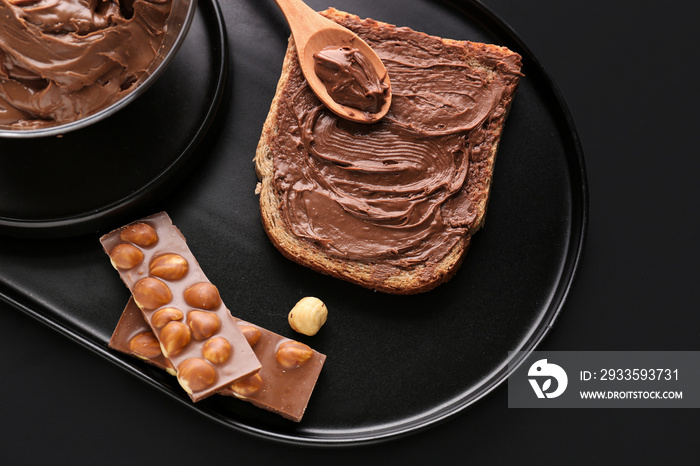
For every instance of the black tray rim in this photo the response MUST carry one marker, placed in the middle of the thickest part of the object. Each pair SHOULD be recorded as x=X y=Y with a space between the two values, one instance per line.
x=578 y=233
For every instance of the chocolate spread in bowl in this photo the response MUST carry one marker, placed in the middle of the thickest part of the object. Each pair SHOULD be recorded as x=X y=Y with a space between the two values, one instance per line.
x=395 y=192
x=61 y=60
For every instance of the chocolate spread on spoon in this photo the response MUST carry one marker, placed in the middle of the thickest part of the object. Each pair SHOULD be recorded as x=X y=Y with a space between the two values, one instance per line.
x=350 y=78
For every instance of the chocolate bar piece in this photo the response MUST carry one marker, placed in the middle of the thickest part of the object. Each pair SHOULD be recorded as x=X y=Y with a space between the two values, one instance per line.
x=134 y=336
x=184 y=310
x=283 y=385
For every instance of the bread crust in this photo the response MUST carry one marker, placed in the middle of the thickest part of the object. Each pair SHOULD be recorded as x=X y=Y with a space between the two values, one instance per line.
x=406 y=280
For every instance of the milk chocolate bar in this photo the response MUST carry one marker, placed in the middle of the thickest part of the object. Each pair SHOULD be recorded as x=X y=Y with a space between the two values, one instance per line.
x=184 y=310
x=283 y=385
x=134 y=336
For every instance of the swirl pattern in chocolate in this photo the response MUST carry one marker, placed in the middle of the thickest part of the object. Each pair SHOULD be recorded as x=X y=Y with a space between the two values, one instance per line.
x=61 y=60
x=396 y=192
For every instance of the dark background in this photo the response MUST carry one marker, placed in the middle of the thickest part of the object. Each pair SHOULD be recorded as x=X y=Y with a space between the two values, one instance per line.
x=628 y=71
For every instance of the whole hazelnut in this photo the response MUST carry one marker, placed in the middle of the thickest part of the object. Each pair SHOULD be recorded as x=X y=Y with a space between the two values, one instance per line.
x=145 y=345
x=308 y=316
x=125 y=256
x=195 y=374
x=217 y=350
x=141 y=234
x=165 y=315
x=246 y=386
x=169 y=266
x=174 y=337
x=291 y=354
x=203 y=295
x=252 y=334
x=203 y=324
x=151 y=293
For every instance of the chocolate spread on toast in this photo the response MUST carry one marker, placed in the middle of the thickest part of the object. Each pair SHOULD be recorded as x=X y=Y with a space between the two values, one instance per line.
x=394 y=192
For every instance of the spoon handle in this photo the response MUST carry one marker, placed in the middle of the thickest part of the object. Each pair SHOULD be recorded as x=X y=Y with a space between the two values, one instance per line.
x=303 y=20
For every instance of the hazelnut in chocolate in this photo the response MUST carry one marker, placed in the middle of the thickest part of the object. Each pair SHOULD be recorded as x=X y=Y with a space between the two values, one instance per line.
x=288 y=375
x=283 y=385
x=194 y=329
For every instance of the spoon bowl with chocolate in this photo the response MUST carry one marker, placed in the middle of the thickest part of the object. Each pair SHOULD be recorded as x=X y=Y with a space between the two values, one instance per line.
x=346 y=75
x=72 y=63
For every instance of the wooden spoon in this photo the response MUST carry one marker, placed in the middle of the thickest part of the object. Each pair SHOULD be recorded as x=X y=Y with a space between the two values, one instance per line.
x=312 y=33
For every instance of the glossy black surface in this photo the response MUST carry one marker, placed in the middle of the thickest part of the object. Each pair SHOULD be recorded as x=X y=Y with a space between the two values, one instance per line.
x=635 y=288
x=450 y=345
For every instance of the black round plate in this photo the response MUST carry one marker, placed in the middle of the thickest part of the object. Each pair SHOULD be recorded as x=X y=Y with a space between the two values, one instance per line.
x=72 y=184
x=397 y=365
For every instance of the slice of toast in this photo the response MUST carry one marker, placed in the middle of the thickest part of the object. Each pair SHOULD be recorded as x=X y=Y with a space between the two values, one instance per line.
x=350 y=216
